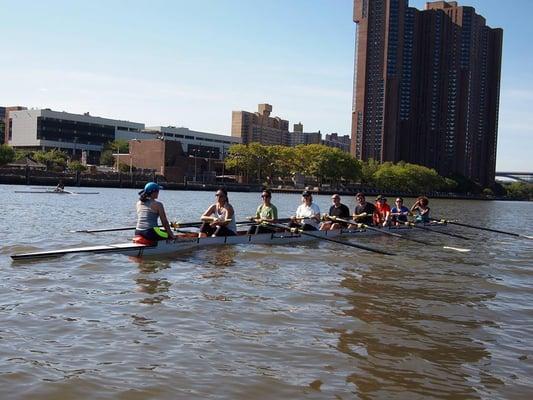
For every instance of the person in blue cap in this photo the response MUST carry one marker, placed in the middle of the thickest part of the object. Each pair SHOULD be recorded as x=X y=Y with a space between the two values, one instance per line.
x=148 y=212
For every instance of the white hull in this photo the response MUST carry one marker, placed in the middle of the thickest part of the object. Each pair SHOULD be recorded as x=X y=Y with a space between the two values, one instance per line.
x=181 y=244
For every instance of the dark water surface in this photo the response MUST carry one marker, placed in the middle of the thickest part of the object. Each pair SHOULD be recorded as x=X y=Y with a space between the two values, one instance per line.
x=313 y=321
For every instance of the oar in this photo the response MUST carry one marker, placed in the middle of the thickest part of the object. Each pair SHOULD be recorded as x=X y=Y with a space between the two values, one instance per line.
x=174 y=225
x=308 y=233
x=130 y=228
x=484 y=229
x=413 y=225
x=387 y=232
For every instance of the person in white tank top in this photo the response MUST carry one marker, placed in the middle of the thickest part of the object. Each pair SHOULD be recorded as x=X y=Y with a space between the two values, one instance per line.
x=219 y=218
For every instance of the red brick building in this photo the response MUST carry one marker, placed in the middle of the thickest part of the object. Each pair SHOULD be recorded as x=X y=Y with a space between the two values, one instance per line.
x=166 y=158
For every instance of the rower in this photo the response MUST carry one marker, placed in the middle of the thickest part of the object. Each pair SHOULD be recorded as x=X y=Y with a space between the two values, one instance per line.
x=382 y=214
x=149 y=209
x=399 y=212
x=422 y=210
x=266 y=213
x=307 y=215
x=364 y=211
x=219 y=218
x=337 y=210
x=60 y=186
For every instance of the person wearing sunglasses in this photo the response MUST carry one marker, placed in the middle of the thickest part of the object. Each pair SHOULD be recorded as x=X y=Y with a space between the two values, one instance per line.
x=219 y=218
x=266 y=212
x=307 y=214
x=399 y=212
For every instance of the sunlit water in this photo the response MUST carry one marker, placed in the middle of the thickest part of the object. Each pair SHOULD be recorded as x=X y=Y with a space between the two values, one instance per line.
x=317 y=320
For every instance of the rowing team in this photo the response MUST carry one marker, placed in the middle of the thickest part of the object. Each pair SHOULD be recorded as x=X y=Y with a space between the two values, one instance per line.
x=219 y=218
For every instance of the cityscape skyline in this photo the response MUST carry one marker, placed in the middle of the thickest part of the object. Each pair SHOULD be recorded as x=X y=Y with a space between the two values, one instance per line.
x=173 y=64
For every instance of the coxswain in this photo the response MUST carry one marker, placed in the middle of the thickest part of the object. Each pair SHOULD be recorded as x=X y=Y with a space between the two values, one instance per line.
x=421 y=209
x=149 y=209
x=266 y=213
x=307 y=215
x=219 y=218
x=337 y=210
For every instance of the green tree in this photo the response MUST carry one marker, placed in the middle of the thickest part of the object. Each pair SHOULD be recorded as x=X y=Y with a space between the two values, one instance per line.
x=7 y=154
x=118 y=146
x=239 y=159
x=368 y=169
x=106 y=158
x=53 y=159
x=76 y=166
x=520 y=191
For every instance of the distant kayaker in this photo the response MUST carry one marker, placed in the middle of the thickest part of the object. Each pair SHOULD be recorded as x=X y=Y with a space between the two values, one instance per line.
x=60 y=186
x=149 y=209
x=219 y=218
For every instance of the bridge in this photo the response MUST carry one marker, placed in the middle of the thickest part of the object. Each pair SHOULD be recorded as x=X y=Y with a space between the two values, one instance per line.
x=516 y=176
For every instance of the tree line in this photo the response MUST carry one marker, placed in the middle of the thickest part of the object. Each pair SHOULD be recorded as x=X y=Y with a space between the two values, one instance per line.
x=318 y=164
x=327 y=165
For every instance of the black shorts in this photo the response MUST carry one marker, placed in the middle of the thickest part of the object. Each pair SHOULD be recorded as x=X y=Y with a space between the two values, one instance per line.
x=217 y=231
x=152 y=234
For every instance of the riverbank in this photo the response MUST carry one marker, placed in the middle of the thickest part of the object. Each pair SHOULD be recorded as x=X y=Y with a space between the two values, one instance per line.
x=137 y=181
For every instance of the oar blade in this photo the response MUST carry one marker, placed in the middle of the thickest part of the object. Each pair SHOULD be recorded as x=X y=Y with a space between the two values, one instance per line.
x=459 y=249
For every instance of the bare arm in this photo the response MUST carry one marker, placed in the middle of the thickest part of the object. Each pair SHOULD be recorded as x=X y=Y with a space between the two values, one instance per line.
x=164 y=220
x=206 y=216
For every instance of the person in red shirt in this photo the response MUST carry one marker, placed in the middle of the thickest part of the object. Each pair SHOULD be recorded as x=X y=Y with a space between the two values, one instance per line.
x=382 y=214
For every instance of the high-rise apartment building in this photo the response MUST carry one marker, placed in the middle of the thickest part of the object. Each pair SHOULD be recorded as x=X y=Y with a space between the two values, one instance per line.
x=2 y=124
x=426 y=87
x=259 y=126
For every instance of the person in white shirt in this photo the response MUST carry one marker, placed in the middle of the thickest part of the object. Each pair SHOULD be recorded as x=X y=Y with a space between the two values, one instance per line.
x=307 y=215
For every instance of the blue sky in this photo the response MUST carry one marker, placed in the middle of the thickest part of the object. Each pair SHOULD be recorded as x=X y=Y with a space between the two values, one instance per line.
x=190 y=63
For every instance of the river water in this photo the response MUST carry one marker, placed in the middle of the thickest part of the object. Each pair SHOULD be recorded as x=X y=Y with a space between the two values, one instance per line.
x=310 y=321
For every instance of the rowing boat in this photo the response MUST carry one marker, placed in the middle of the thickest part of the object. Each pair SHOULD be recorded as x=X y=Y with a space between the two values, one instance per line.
x=54 y=192
x=183 y=243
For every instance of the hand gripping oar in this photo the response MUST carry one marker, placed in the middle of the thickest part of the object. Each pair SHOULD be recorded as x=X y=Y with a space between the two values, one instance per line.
x=413 y=225
x=308 y=233
x=483 y=229
x=387 y=232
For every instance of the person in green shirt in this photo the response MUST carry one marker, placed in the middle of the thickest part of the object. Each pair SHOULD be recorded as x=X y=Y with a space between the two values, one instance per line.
x=266 y=212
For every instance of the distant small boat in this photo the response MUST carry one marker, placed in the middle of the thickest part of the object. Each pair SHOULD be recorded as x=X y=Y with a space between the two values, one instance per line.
x=54 y=192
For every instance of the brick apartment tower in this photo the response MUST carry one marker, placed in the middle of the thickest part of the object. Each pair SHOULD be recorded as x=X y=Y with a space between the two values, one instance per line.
x=259 y=127
x=426 y=87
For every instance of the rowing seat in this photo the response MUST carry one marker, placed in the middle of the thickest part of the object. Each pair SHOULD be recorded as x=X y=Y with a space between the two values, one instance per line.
x=142 y=240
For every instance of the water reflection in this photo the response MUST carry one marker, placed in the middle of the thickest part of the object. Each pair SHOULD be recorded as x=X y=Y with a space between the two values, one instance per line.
x=217 y=261
x=414 y=335
x=155 y=286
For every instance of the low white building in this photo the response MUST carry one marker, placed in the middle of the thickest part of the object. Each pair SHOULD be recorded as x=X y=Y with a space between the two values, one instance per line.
x=77 y=134
x=44 y=129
